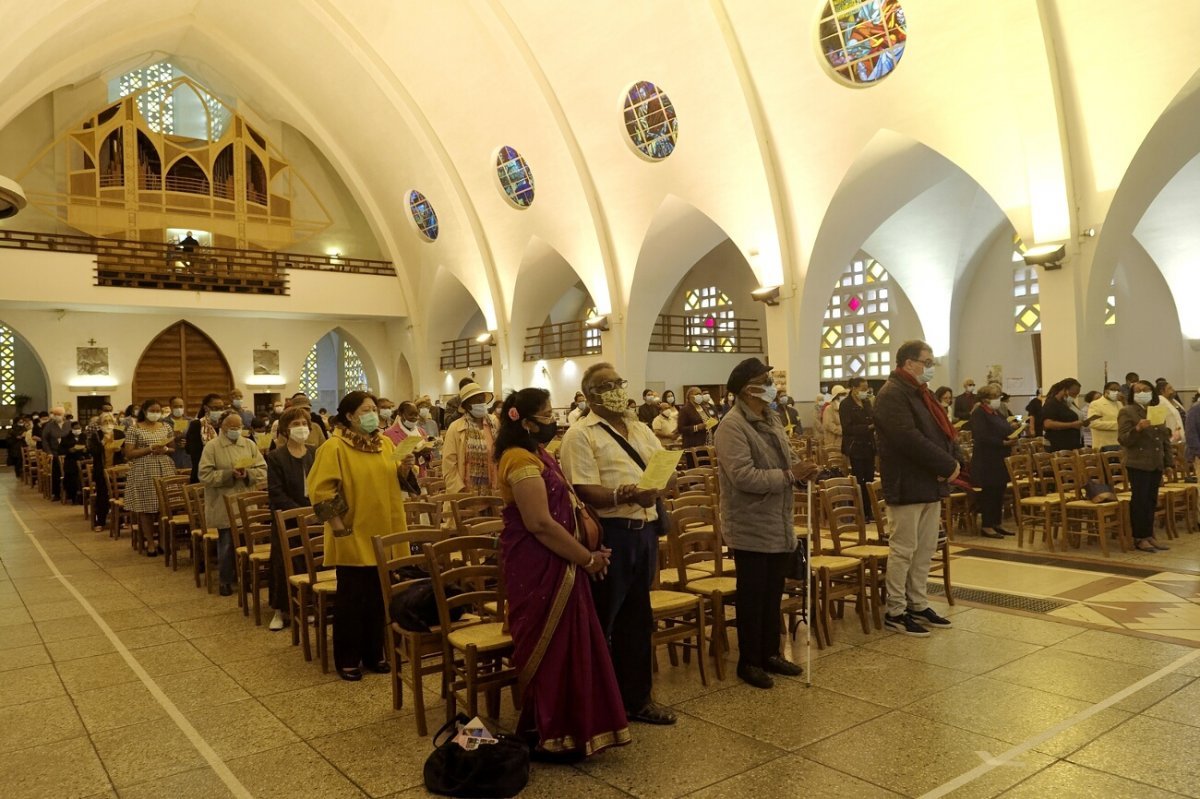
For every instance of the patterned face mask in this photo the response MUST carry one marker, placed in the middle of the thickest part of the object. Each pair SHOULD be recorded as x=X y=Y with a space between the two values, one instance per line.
x=615 y=400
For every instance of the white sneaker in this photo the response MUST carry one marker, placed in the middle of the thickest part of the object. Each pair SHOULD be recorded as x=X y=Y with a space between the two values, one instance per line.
x=276 y=623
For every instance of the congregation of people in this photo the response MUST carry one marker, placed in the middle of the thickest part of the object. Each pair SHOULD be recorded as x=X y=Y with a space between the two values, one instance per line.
x=578 y=591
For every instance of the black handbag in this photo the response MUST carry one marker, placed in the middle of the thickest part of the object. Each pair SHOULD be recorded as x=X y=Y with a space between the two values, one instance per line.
x=490 y=770
x=797 y=567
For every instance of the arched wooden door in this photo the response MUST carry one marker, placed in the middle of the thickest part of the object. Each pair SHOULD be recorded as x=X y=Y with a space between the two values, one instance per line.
x=181 y=361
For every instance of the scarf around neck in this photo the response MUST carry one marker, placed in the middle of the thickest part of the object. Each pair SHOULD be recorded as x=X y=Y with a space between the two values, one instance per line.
x=931 y=404
x=359 y=441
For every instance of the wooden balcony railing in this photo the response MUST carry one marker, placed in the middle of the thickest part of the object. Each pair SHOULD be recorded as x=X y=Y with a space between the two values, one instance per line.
x=701 y=334
x=463 y=353
x=562 y=340
x=153 y=258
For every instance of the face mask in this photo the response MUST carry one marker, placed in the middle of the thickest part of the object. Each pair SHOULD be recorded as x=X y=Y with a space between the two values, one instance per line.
x=927 y=375
x=408 y=425
x=298 y=433
x=651 y=400
x=278 y=409
x=233 y=435
x=615 y=401
x=768 y=393
x=177 y=412
x=106 y=429
x=994 y=404
x=970 y=389
x=704 y=398
x=153 y=416
x=670 y=398
x=385 y=413
x=1113 y=395
x=76 y=431
x=1143 y=397
x=237 y=403
x=478 y=411
x=545 y=432
x=58 y=418
x=782 y=399
x=215 y=416
x=425 y=414
x=862 y=395
x=369 y=422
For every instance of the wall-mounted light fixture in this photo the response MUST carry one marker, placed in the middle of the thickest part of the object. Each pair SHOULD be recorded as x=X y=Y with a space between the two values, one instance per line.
x=12 y=197
x=266 y=380
x=597 y=322
x=487 y=339
x=768 y=295
x=1047 y=256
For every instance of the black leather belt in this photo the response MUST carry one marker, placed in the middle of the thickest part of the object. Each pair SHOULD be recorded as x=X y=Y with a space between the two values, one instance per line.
x=626 y=524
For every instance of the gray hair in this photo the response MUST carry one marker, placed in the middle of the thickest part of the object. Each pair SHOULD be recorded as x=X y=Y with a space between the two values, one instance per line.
x=590 y=372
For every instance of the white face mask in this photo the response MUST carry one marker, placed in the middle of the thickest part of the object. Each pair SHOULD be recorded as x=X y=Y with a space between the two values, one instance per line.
x=768 y=392
x=581 y=405
x=1143 y=397
x=108 y=428
x=862 y=395
x=298 y=433
x=237 y=403
x=385 y=413
x=1113 y=396
x=994 y=404
x=408 y=425
x=153 y=416
x=177 y=412
x=278 y=409
x=479 y=411
x=927 y=375
x=425 y=414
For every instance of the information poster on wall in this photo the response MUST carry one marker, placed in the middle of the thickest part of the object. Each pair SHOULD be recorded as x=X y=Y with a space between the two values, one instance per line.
x=1016 y=387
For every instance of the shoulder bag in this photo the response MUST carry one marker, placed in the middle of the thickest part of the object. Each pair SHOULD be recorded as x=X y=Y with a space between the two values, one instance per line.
x=499 y=769
x=633 y=453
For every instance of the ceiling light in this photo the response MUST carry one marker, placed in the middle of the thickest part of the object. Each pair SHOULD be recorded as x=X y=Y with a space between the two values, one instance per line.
x=597 y=322
x=766 y=294
x=1047 y=256
x=487 y=339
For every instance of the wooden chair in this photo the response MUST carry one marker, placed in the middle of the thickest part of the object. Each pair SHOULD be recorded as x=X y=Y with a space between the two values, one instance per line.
x=835 y=579
x=322 y=585
x=691 y=499
x=299 y=587
x=1082 y=518
x=432 y=485
x=87 y=488
x=470 y=509
x=941 y=560
x=45 y=473
x=117 y=515
x=1117 y=476
x=422 y=651
x=174 y=524
x=842 y=505
x=421 y=513
x=679 y=619
x=475 y=657
x=700 y=457
x=204 y=538
x=1033 y=511
x=693 y=483
x=695 y=540
x=252 y=542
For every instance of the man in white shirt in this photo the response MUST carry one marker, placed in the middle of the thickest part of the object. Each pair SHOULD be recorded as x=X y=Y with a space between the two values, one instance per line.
x=666 y=425
x=579 y=410
x=604 y=455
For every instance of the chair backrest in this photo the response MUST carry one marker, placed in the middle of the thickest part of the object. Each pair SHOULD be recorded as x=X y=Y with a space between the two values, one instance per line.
x=1020 y=474
x=1067 y=479
x=473 y=507
x=702 y=456
x=842 y=506
x=879 y=509
x=1043 y=471
x=481 y=525
x=85 y=473
x=254 y=510
x=116 y=477
x=419 y=513
x=312 y=539
x=1091 y=467
x=194 y=494
x=692 y=484
x=432 y=485
x=398 y=550
x=236 y=506
x=1114 y=469
x=470 y=563
x=834 y=459
x=690 y=500
x=695 y=535
x=288 y=524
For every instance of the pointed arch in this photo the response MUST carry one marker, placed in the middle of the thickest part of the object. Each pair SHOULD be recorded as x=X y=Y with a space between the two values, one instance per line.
x=187 y=176
x=21 y=371
x=181 y=361
x=336 y=364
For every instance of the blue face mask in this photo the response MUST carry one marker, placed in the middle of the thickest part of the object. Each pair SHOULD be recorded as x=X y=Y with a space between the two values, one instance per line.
x=369 y=422
x=233 y=435
x=927 y=375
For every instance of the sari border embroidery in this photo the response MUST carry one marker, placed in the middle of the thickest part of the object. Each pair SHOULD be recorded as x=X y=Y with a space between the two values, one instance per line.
x=552 y=619
x=591 y=746
x=524 y=473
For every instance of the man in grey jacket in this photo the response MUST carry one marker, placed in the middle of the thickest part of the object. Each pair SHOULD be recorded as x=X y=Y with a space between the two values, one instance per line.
x=758 y=474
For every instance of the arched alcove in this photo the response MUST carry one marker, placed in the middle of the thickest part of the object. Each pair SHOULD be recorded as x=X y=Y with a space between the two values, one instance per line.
x=457 y=316
x=21 y=374
x=181 y=361
x=336 y=364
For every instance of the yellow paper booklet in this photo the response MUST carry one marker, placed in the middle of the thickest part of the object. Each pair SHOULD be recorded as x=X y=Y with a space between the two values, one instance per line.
x=1157 y=414
x=710 y=423
x=244 y=463
x=660 y=468
x=406 y=447
x=1020 y=429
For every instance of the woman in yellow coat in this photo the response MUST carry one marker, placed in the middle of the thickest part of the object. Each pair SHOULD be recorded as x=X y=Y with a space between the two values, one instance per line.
x=354 y=486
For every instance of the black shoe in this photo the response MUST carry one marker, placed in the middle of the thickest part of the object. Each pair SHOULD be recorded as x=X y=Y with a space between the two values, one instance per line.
x=991 y=534
x=225 y=590
x=929 y=618
x=905 y=625
x=756 y=677
x=382 y=667
x=350 y=675
x=653 y=714
x=777 y=665
x=1002 y=531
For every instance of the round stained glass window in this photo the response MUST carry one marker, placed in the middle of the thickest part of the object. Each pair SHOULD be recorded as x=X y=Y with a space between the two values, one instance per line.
x=423 y=214
x=863 y=40
x=516 y=178
x=650 y=120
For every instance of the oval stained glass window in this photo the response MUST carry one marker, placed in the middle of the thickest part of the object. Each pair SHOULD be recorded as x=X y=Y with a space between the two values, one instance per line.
x=650 y=120
x=863 y=40
x=423 y=214
x=515 y=177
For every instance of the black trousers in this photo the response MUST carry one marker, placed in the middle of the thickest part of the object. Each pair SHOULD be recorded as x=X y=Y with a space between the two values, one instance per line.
x=991 y=505
x=863 y=470
x=100 y=501
x=277 y=589
x=1143 y=487
x=358 y=619
x=623 y=606
x=55 y=479
x=760 y=577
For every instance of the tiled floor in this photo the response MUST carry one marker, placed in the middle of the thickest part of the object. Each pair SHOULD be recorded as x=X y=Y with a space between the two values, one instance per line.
x=886 y=715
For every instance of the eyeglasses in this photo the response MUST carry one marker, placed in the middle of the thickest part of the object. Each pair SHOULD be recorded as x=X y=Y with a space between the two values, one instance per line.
x=611 y=385
x=928 y=364
x=544 y=419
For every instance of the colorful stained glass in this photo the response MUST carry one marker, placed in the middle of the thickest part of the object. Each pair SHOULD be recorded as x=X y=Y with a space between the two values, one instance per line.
x=423 y=214
x=310 y=383
x=8 y=366
x=1027 y=311
x=855 y=303
x=516 y=178
x=354 y=376
x=702 y=328
x=858 y=323
x=863 y=40
x=650 y=120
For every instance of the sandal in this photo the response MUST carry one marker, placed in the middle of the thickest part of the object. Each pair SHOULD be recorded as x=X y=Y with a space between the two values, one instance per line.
x=1148 y=547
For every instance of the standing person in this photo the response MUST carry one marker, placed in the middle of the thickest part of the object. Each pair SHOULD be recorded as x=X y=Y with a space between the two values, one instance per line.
x=237 y=402
x=1106 y=408
x=604 y=456
x=105 y=445
x=648 y=411
x=758 y=476
x=965 y=402
x=695 y=423
x=570 y=699
x=355 y=491
x=727 y=405
x=408 y=423
x=387 y=412
x=786 y=406
x=230 y=464
x=1191 y=435
x=1167 y=398
x=666 y=426
x=1060 y=422
x=858 y=438
x=467 y=462
x=669 y=398
x=179 y=426
x=579 y=409
x=1034 y=410
x=990 y=432
x=73 y=449
x=203 y=429
x=831 y=420
x=1085 y=412
x=427 y=423
x=1148 y=453
x=918 y=458
x=148 y=446
x=1127 y=386
x=52 y=436
x=287 y=489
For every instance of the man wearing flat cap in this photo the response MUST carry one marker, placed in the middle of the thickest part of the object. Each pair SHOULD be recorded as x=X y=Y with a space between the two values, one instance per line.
x=758 y=475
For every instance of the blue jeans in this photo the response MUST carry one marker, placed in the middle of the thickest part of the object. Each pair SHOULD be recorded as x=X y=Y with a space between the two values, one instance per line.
x=623 y=606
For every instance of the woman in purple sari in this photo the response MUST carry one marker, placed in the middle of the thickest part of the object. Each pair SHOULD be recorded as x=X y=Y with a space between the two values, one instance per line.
x=571 y=701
